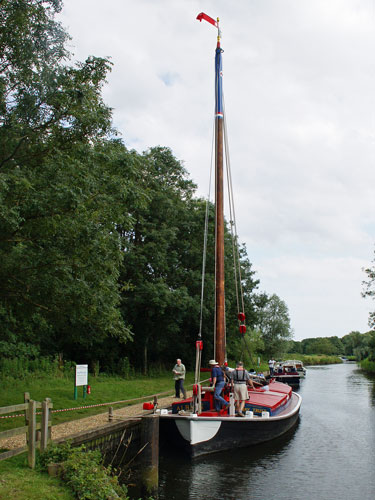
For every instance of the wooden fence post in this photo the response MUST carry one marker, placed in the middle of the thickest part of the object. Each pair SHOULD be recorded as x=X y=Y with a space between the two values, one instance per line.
x=26 y=399
x=45 y=420
x=32 y=428
x=150 y=455
x=110 y=414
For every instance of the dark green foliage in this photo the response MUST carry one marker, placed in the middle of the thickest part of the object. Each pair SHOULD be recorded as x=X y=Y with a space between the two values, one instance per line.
x=26 y=367
x=84 y=472
x=62 y=190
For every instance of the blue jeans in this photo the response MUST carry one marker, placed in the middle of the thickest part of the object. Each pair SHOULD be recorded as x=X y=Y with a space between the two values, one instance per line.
x=218 y=399
x=179 y=387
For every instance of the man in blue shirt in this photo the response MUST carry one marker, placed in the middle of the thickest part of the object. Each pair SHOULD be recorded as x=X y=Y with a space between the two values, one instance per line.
x=218 y=382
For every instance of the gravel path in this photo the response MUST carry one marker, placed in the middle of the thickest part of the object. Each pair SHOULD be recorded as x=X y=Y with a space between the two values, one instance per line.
x=70 y=428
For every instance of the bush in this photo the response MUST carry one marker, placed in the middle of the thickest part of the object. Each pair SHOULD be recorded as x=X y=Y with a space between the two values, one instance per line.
x=23 y=367
x=84 y=472
x=367 y=365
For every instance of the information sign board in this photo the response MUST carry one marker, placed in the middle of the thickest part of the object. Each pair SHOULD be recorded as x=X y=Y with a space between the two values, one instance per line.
x=81 y=375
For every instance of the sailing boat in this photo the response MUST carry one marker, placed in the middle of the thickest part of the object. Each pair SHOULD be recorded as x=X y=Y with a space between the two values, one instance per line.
x=194 y=424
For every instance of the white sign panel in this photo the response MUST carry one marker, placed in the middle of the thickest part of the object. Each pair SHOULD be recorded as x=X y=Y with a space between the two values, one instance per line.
x=81 y=374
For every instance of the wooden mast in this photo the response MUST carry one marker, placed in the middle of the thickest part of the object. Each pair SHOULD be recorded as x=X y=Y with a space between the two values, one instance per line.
x=219 y=203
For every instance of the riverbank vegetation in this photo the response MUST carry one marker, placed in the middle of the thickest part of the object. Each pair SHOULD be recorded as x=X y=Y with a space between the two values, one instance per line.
x=104 y=389
x=367 y=365
x=315 y=359
x=355 y=346
x=19 y=482
x=81 y=475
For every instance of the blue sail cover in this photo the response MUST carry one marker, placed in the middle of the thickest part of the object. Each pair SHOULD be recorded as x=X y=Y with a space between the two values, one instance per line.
x=219 y=110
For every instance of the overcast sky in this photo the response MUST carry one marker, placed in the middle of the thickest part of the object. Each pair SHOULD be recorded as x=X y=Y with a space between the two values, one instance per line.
x=299 y=86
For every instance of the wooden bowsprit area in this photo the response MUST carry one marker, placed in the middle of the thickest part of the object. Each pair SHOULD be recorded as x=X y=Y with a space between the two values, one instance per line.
x=36 y=432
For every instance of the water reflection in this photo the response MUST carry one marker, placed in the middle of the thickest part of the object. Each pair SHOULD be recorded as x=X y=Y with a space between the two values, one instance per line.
x=371 y=385
x=327 y=454
x=229 y=471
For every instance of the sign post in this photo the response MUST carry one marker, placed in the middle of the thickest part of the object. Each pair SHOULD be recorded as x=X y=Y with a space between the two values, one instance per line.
x=81 y=379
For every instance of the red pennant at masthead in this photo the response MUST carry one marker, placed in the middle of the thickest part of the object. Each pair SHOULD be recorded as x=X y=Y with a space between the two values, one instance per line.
x=207 y=18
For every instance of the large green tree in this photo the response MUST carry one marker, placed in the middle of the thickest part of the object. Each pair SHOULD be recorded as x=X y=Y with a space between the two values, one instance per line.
x=63 y=188
x=274 y=323
x=156 y=272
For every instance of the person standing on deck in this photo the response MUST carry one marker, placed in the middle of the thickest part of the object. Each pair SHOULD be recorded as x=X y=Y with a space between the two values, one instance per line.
x=271 y=366
x=240 y=379
x=218 y=382
x=179 y=372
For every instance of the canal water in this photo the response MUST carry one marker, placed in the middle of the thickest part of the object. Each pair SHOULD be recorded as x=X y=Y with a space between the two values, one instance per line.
x=329 y=455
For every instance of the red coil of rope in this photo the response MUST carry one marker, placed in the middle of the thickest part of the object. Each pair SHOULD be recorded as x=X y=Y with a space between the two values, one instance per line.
x=242 y=328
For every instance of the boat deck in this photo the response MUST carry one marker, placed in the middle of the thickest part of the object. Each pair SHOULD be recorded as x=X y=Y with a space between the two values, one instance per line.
x=285 y=412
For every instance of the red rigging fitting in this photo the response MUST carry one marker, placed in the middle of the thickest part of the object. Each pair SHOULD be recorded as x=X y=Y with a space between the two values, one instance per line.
x=199 y=345
x=241 y=317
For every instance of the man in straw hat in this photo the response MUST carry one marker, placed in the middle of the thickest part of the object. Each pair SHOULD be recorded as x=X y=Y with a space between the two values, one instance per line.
x=218 y=382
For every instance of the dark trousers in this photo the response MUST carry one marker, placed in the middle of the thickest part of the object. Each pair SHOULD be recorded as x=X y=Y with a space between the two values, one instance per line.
x=179 y=387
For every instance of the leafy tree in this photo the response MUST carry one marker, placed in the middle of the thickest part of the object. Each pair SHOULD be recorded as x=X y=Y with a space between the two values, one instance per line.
x=156 y=298
x=63 y=186
x=274 y=323
x=351 y=342
x=338 y=346
x=294 y=346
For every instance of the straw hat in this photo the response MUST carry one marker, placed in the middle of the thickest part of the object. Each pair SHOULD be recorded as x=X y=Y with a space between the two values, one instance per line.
x=213 y=362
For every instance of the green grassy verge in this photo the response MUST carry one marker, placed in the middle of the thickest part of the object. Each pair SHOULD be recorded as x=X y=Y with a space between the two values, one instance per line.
x=104 y=389
x=19 y=482
x=367 y=365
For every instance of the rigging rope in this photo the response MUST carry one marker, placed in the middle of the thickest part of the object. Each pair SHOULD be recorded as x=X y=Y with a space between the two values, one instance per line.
x=233 y=224
x=198 y=356
x=234 y=236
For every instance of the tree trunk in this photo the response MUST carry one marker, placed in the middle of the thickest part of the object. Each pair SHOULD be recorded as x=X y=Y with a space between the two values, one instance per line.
x=145 y=367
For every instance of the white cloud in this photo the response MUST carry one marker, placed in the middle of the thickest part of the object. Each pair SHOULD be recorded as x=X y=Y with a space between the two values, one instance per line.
x=299 y=81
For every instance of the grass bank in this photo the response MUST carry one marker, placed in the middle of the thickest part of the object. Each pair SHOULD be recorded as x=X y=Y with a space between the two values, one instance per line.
x=104 y=389
x=19 y=482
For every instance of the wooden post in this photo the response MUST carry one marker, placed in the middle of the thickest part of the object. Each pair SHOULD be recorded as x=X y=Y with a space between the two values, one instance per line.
x=26 y=398
x=150 y=455
x=45 y=420
x=110 y=414
x=32 y=427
